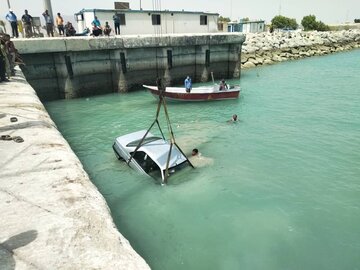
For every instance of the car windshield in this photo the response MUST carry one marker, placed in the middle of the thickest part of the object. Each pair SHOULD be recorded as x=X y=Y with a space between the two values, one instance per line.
x=146 y=140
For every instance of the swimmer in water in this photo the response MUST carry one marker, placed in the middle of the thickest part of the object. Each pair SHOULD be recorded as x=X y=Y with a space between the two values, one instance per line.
x=195 y=152
x=198 y=160
x=234 y=118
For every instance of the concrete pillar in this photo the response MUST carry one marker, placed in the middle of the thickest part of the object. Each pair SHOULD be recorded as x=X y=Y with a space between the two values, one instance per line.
x=167 y=77
x=237 y=68
x=47 y=6
x=122 y=85
x=204 y=75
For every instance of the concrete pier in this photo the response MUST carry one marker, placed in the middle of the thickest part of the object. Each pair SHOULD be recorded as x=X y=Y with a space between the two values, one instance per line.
x=81 y=66
x=52 y=216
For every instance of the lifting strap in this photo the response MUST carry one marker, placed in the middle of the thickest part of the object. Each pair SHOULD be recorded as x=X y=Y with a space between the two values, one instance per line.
x=161 y=102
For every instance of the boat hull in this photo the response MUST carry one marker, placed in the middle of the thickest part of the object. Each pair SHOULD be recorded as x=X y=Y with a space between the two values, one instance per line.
x=209 y=94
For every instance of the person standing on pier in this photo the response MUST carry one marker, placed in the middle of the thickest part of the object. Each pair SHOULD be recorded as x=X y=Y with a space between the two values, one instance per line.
x=11 y=17
x=60 y=24
x=116 y=19
x=49 y=23
x=27 y=20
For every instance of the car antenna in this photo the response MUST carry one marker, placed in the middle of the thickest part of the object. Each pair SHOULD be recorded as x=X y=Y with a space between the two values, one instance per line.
x=162 y=102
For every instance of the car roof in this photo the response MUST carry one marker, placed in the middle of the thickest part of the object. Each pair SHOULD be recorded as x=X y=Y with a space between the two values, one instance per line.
x=128 y=138
x=157 y=150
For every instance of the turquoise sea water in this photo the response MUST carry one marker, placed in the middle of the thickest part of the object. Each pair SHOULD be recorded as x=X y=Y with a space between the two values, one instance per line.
x=278 y=190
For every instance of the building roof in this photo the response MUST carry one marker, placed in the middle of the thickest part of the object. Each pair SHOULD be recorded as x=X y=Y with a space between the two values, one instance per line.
x=246 y=22
x=145 y=11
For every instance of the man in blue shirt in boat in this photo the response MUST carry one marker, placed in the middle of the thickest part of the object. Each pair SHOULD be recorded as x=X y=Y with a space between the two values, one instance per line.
x=188 y=84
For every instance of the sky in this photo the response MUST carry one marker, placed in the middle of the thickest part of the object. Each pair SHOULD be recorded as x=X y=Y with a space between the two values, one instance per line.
x=328 y=11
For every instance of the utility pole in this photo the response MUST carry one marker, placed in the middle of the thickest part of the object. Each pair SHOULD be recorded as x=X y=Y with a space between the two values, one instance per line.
x=140 y=5
x=280 y=8
x=47 y=6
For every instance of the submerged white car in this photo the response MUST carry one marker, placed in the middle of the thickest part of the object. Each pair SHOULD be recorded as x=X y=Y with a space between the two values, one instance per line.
x=152 y=156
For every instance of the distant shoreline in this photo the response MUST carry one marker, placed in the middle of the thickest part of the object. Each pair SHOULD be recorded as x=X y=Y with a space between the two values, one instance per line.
x=269 y=48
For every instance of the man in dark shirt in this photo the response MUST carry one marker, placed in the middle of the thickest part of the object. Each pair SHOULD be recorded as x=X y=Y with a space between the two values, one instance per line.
x=107 y=29
x=27 y=21
x=116 y=19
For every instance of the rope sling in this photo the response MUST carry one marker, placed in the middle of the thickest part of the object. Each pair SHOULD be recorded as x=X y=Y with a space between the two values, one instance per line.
x=162 y=103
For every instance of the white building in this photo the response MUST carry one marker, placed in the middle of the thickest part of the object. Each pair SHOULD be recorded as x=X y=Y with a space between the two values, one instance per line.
x=150 y=21
x=247 y=26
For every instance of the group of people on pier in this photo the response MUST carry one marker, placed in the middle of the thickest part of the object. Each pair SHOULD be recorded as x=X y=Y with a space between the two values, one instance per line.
x=98 y=29
x=28 y=25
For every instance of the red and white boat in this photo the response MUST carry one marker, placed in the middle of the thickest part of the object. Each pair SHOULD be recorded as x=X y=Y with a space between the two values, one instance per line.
x=202 y=93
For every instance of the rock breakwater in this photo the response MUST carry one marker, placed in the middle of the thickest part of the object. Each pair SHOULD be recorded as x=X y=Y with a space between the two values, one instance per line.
x=268 y=48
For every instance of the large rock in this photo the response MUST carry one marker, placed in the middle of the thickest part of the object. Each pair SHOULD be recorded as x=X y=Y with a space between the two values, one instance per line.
x=268 y=62
x=249 y=65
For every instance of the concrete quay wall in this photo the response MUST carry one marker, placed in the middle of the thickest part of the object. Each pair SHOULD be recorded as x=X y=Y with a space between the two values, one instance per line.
x=81 y=66
x=52 y=216
x=268 y=48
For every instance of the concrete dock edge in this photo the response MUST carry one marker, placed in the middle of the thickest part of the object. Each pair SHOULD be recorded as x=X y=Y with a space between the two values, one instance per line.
x=52 y=216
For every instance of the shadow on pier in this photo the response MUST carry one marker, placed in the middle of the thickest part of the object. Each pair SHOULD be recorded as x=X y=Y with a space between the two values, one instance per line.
x=7 y=260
